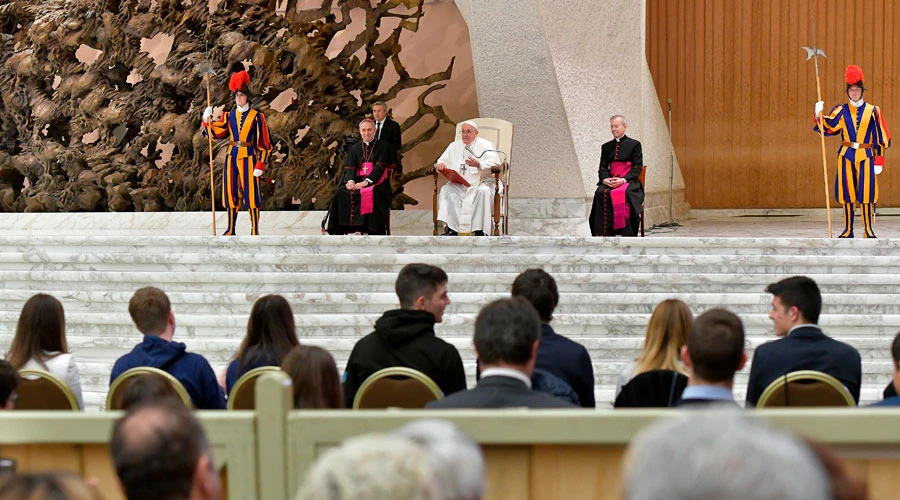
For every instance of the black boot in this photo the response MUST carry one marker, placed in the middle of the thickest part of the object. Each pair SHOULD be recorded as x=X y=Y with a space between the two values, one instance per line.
x=449 y=232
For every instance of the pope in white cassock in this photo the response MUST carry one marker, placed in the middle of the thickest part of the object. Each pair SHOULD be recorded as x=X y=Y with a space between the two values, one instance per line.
x=468 y=209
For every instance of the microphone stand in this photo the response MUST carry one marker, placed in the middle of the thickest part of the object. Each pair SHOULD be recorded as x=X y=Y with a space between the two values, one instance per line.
x=672 y=222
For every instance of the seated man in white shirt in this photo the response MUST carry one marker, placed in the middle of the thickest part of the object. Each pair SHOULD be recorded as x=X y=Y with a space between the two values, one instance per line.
x=462 y=208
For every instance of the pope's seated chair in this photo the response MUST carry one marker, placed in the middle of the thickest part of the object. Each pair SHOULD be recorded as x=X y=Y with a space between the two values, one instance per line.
x=805 y=388
x=500 y=134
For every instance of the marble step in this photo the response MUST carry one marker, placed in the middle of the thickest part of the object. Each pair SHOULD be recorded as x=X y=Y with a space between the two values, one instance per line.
x=462 y=302
x=261 y=262
x=369 y=245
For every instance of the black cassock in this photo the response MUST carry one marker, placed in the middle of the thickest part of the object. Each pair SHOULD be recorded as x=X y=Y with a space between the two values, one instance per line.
x=346 y=212
x=601 y=218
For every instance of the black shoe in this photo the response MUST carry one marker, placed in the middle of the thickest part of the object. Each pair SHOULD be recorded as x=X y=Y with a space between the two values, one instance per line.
x=449 y=232
x=478 y=233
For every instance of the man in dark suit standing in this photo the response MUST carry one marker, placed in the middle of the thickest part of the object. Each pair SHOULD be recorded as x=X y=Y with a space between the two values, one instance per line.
x=507 y=333
x=562 y=357
x=617 y=202
x=713 y=353
x=388 y=131
x=796 y=304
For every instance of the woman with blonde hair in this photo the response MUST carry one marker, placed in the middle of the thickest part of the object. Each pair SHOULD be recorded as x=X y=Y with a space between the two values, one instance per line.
x=666 y=333
x=40 y=342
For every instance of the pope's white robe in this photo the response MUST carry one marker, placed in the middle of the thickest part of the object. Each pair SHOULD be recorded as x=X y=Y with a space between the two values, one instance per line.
x=466 y=209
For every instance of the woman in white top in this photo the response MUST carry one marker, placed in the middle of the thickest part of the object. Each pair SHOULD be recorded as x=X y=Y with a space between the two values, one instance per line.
x=666 y=333
x=40 y=342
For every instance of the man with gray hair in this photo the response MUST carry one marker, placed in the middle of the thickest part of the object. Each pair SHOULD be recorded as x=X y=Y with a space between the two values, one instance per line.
x=371 y=467
x=467 y=208
x=455 y=458
x=619 y=197
x=721 y=455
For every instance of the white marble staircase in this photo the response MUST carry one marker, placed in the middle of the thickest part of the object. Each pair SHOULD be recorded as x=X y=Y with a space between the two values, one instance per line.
x=338 y=286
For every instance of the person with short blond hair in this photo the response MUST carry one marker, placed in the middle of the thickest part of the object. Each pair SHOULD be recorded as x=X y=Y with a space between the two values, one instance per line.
x=152 y=314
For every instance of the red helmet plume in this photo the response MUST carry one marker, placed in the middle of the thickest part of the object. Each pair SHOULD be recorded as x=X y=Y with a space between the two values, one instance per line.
x=854 y=75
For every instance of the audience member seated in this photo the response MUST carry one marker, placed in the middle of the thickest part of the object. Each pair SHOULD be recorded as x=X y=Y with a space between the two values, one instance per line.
x=143 y=389
x=152 y=315
x=713 y=353
x=666 y=334
x=558 y=355
x=40 y=343
x=9 y=381
x=544 y=381
x=507 y=334
x=796 y=304
x=160 y=450
x=270 y=336
x=895 y=354
x=315 y=379
x=653 y=389
x=46 y=486
x=455 y=458
x=371 y=467
x=844 y=484
x=405 y=336
x=721 y=454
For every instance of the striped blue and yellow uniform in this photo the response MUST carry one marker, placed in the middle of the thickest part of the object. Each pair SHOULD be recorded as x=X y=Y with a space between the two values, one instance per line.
x=250 y=146
x=855 y=181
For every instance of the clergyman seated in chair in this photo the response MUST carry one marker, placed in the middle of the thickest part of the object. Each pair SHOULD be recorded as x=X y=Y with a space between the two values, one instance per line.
x=507 y=334
x=796 y=304
x=405 y=336
x=619 y=197
x=464 y=208
x=714 y=353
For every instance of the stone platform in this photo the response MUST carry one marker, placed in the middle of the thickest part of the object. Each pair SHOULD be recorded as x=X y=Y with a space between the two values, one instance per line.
x=339 y=285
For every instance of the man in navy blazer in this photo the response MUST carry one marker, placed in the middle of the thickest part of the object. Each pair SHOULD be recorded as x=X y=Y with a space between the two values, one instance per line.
x=796 y=304
x=562 y=357
x=507 y=333
x=895 y=353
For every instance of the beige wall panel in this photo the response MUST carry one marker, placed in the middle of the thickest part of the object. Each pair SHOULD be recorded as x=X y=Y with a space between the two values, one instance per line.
x=583 y=472
x=743 y=93
x=508 y=468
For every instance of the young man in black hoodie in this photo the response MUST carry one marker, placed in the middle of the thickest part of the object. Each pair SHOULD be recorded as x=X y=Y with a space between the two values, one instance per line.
x=405 y=336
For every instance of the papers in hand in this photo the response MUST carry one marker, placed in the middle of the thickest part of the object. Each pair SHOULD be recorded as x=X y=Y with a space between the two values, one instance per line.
x=453 y=176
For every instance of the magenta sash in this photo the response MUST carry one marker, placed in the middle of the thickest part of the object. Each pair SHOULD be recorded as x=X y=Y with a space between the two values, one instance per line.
x=621 y=211
x=366 y=194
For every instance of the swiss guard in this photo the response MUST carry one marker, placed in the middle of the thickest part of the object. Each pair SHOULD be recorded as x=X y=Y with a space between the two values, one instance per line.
x=864 y=137
x=246 y=128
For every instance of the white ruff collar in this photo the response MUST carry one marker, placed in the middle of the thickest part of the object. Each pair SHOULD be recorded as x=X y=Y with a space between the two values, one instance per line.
x=243 y=109
x=859 y=103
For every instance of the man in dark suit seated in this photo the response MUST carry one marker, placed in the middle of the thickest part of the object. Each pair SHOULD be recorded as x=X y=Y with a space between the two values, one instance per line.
x=895 y=353
x=796 y=304
x=562 y=357
x=713 y=353
x=507 y=333
x=617 y=202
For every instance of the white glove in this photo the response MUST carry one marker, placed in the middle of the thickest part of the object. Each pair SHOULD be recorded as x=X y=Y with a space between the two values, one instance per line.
x=257 y=172
x=878 y=169
x=820 y=106
x=207 y=113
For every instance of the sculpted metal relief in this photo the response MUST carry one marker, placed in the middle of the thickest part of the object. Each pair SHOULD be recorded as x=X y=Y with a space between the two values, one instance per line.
x=120 y=132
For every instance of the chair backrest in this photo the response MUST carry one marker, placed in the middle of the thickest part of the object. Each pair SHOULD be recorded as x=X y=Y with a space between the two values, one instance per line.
x=499 y=132
x=41 y=390
x=642 y=176
x=243 y=394
x=114 y=398
x=396 y=387
x=652 y=389
x=805 y=388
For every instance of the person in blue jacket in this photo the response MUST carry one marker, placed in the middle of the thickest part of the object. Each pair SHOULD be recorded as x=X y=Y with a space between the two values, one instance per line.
x=151 y=312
